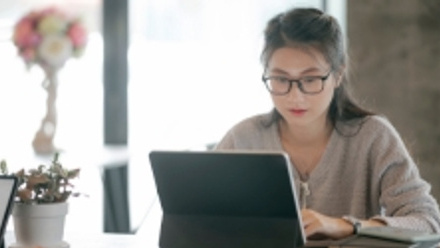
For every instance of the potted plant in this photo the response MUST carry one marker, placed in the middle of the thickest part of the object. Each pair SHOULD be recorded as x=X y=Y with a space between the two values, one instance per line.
x=41 y=203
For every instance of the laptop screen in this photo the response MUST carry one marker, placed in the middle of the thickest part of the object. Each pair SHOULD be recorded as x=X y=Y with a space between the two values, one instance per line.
x=8 y=187
x=243 y=198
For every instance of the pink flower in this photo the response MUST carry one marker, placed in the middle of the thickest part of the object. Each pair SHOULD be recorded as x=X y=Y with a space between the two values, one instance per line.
x=22 y=30
x=32 y=40
x=77 y=34
x=25 y=35
x=28 y=55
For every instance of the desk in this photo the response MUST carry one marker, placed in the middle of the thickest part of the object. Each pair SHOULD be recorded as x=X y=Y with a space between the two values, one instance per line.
x=147 y=235
x=99 y=241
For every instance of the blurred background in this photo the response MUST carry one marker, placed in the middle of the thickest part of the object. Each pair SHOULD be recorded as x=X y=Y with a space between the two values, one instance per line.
x=177 y=74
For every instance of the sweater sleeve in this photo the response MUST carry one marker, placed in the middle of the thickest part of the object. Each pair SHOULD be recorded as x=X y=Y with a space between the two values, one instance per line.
x=403 y=195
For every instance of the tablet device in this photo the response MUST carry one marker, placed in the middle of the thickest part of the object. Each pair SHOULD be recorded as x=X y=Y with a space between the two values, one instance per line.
x=226 y=199
x=8 y=188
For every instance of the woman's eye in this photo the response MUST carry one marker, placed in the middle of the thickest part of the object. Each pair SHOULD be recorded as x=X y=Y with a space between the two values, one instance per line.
x=309 y=80
x=281 y=79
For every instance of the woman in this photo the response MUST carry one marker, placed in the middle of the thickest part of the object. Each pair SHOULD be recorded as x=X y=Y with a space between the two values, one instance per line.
x=351 y=166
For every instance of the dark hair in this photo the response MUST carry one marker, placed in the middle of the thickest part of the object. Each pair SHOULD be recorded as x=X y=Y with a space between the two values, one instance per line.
x=311 y=28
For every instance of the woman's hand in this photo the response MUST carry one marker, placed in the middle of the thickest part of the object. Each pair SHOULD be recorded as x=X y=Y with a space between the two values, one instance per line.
x=319 y=226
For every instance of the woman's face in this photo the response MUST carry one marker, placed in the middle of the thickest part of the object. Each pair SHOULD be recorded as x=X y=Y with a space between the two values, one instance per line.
x=296 y=107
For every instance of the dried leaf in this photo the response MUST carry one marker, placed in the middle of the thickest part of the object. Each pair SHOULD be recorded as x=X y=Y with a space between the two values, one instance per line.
x=4 y=167
x=20 y=173
x=73 y=173
x=35 y=180
x=24 y=194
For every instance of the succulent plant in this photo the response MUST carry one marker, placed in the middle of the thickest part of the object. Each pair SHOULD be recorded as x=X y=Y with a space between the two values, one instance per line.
x=44 y=184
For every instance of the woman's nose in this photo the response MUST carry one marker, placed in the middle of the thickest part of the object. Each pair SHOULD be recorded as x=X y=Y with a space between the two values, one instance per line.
x=295 y=92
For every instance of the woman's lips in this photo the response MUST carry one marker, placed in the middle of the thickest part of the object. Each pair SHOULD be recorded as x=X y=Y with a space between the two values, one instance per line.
x=297 y=112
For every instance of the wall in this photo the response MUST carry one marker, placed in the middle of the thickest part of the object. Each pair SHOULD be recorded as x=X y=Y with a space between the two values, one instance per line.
x=394 y=46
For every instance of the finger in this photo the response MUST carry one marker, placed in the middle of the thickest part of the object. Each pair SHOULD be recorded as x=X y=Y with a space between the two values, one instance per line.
x=307 y=216
x=308 y=219
x=312 y=229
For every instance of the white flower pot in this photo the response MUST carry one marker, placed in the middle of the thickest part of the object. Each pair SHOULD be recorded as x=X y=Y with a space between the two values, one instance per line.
x=39 y=225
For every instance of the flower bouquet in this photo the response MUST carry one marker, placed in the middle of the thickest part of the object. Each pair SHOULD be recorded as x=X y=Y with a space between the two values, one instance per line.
x=49 y=37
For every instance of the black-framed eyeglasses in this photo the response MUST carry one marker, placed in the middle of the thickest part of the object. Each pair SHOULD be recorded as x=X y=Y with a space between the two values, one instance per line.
x=280 y=85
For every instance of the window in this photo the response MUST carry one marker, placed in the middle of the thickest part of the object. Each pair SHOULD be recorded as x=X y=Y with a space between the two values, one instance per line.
x=194 y=69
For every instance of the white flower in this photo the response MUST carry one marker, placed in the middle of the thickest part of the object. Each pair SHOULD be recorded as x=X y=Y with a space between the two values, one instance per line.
x=55 y=50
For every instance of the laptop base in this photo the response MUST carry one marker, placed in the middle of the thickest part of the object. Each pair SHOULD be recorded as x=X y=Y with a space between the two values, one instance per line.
x=183 y=231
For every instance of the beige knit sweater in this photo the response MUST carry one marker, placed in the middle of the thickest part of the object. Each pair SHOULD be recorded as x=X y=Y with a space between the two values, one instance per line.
x=365 y=171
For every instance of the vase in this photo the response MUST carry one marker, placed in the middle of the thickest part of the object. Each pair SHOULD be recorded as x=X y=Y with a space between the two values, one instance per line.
x=43 y=142
x=39 y=225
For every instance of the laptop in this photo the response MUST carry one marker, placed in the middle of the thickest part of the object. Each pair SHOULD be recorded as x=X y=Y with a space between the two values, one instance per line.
x=8 y=188
x=226 y=199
